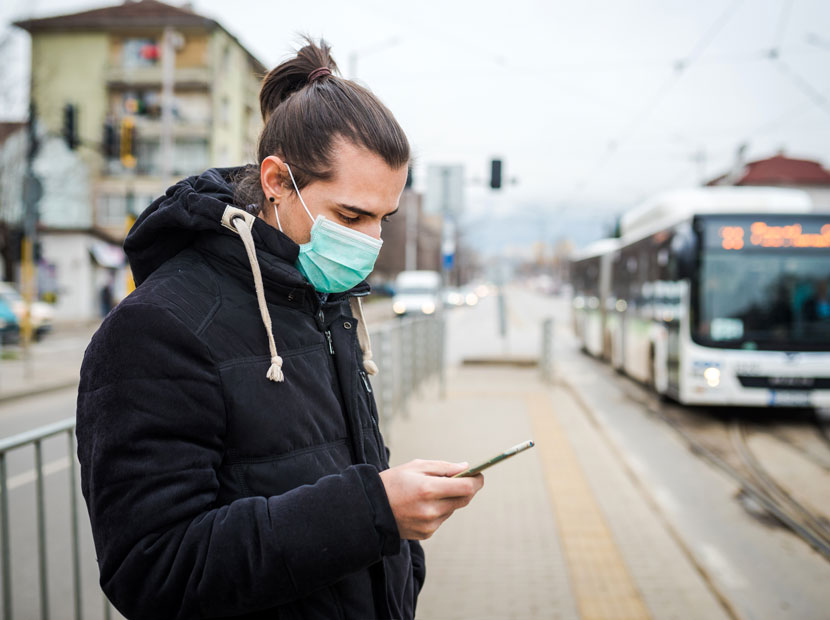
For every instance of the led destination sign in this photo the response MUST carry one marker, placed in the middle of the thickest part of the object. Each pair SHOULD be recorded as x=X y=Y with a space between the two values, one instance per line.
x=760 y=234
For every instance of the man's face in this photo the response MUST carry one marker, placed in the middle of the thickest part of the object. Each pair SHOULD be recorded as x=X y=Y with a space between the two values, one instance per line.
x=361 y=194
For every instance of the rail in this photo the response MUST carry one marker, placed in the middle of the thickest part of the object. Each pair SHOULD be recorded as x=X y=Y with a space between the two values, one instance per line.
x=408 y=352
x=35 y=438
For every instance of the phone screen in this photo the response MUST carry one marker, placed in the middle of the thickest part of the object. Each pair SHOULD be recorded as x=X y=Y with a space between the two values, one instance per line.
x=472 y=471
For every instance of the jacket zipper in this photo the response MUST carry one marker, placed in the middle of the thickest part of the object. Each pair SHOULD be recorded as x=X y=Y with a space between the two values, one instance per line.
x=375 y=425
x=321 y=324
x=366 y=383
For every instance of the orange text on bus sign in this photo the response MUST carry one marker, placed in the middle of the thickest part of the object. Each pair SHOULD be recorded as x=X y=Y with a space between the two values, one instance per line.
x=766 y=236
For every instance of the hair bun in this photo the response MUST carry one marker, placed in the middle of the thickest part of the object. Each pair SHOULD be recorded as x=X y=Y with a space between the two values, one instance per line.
x=312 y=62
x=318 y=73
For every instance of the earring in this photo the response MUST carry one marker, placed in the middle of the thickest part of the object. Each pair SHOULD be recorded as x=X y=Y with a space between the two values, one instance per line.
x=271 y=198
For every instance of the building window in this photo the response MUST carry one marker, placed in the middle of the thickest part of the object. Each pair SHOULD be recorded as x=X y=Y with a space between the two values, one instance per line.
x=140 y=53
x=225 y=111
x=190 y=156
x=111 y=211
x=226 y=59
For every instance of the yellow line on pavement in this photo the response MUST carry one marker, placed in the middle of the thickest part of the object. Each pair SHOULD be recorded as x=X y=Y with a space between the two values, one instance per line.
x=602 y=585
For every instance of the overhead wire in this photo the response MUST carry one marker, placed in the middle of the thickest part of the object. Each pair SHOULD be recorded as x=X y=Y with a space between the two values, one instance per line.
x=680 y=67
x=812 y=93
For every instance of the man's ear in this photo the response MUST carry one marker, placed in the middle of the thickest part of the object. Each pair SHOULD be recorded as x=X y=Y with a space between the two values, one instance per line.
x=271 y=175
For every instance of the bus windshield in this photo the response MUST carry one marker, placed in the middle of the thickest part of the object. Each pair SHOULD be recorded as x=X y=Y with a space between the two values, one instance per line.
x=764 y=283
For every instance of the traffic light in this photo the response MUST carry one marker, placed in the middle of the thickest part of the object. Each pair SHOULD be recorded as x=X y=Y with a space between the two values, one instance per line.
x=127 y=149
x=110 y=143
x=70 y=126
x=495 y=174
x=31 y=131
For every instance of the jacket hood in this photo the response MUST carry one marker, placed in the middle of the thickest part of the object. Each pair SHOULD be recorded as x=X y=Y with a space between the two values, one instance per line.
x=192 y=208
x=191 y=211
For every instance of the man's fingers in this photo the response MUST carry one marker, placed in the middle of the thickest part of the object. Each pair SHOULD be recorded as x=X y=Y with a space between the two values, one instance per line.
x=441 y=468
x=443 y=488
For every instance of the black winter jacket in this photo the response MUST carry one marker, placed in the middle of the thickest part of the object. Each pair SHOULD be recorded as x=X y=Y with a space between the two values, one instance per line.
x=212 y=491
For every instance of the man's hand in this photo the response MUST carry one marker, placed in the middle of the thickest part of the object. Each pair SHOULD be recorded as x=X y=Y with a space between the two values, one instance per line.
x=423 y=495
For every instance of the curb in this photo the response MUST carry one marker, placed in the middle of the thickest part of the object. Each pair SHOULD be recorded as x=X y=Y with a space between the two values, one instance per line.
x=37 y=391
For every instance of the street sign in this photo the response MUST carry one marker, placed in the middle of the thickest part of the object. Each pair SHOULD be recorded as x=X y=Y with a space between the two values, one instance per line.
x=32 y=189
x=445 y=189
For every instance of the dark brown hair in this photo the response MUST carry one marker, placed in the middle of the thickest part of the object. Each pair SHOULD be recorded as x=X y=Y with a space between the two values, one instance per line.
x=303 y=119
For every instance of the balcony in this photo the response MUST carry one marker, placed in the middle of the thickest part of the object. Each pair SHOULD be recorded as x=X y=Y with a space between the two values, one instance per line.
x=187 y=78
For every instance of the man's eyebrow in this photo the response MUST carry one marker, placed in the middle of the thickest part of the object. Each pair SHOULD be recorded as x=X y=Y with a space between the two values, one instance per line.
x=359 y=211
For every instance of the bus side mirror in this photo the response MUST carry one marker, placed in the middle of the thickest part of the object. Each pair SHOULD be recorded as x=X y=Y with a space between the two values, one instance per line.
x=684 y=246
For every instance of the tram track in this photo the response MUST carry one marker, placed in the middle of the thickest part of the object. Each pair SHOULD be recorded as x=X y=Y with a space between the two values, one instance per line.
x=811 y=526
x=725 y=445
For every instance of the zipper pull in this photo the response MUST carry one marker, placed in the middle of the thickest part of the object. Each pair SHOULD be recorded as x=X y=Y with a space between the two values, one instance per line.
x=366 y=383
x=331 y=344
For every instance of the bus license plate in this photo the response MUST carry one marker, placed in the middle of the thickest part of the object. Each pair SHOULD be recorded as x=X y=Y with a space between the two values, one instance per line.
x=790 y=398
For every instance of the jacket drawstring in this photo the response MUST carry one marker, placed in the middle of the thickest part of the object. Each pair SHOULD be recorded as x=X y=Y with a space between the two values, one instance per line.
x=363 y=336
x=241 y=222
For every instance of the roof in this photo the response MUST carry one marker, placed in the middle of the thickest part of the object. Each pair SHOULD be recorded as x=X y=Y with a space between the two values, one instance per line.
x=600 y=247
x=672 y=207
x=778 y=170
x=132 y=14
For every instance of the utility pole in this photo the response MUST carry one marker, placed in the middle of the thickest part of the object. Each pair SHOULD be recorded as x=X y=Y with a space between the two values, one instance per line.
x=32 y=191
x=171 y=41
x=411 y=230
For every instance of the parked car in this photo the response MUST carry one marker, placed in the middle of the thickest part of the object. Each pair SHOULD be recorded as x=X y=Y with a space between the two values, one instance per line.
x=9 y=328
x=416 y=292
x=42 y=313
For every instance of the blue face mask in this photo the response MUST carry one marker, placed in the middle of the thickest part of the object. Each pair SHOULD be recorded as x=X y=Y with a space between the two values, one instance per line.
x=336 y=258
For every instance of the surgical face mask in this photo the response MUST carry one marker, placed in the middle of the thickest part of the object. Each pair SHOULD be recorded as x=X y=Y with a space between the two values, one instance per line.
x=336 y=258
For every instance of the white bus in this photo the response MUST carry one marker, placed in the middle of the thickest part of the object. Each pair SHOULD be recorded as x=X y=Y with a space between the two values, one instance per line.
x=590 y=273
x=717 y=296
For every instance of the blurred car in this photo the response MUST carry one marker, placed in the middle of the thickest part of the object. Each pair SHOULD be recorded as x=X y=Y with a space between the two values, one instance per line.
x=453 y=297
x=417 y=292
x=9 y=328
x=470 y=297
x=42 y=314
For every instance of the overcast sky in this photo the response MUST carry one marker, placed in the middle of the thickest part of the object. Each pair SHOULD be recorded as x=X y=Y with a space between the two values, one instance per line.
x=593 y=104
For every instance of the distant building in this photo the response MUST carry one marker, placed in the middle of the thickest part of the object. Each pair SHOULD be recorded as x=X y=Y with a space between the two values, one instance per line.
x=106 y=64
x=782 y=171
x=412 y=228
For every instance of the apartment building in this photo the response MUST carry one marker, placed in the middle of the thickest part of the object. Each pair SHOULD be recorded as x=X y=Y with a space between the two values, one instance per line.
x=105 y=72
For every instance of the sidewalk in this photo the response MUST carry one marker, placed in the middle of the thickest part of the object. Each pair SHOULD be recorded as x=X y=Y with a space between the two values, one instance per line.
x=53 y=363
x=561 y=531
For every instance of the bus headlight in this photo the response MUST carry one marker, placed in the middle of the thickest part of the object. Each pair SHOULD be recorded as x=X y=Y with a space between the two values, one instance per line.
x=399 y=307
x=427 y=307
x=712 y=376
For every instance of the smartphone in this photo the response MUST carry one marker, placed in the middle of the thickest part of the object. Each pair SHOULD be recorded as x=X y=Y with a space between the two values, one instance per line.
x=496 y=459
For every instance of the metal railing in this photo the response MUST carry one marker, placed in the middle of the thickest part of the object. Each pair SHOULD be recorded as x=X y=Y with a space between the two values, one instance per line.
x=408 y=352
x=35 y=438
